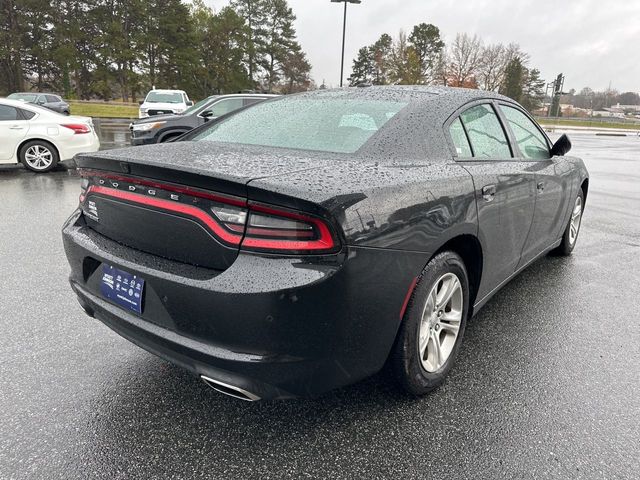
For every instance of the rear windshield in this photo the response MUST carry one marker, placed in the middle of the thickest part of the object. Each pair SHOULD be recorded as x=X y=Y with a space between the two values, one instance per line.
x=27 y=97
x=164 y=97
x=306 y=123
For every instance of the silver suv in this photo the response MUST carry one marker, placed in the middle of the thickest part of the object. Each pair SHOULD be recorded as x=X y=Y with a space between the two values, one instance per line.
x=46 y=100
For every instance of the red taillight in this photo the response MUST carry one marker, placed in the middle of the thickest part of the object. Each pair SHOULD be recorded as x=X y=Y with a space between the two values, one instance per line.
x=251 y=226
x=77 y=127
x=273 y=229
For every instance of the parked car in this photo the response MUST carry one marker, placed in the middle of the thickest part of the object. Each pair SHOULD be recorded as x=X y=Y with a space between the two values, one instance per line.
x=299 y=245
x=46 y=100
x=39 y=138
x=163 y=102
x=162 y=128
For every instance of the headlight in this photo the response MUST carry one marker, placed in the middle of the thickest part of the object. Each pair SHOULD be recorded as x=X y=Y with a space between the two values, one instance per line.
x=143 y=110
x=143 y=127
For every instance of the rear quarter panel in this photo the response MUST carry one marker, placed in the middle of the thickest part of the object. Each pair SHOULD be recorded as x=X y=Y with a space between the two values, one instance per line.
x=405 y=206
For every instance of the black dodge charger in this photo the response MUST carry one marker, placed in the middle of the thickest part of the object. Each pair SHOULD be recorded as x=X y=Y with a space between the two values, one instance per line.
x=301 y=244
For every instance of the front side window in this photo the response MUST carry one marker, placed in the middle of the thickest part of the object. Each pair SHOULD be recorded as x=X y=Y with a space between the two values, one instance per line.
x=223 y=107
x=460 y=140
x=8 y=113
x=325 y=124
x=531 y=141
x=485 y=132
x=197 y=106
x=52 y=99
x=251 y=101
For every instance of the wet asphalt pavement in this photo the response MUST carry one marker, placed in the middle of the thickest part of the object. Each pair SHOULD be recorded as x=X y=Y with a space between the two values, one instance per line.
x=547 y=383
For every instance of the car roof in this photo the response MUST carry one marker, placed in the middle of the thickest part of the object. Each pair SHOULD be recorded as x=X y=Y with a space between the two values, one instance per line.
x=166 y=90
x=26 y=106
x=417 y=94
x=14 y=103
x=231 y=95
x=35 y=93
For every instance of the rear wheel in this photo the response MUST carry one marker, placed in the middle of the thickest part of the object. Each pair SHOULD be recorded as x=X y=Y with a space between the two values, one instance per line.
x=433 y=325
x=570 y=236
x=38 y=156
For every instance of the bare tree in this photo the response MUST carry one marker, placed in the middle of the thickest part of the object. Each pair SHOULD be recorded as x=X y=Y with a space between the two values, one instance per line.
x=492 y=66
x=465 y=58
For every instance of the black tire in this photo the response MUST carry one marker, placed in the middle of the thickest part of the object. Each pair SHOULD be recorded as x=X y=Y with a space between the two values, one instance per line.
x=171 y=136
x=406 y=363
x=25 y=151
x=567 y=245
x=66 y=112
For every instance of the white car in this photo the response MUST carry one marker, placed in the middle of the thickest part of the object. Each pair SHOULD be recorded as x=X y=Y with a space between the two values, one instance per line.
x=39 y=138
x=164 y=102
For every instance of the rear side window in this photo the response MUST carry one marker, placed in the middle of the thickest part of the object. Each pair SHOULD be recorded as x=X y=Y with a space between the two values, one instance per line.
x=460 y=140
x=531 y=141
x=52 y=99
x=485 y=132
x=8 y=113
x=28 y=115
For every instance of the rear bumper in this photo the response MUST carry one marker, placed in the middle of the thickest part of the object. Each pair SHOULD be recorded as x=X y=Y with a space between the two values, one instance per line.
x=275 y=327
x=86 y=143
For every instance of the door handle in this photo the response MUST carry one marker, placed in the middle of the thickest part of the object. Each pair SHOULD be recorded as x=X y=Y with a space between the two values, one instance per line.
x=489 y=192
x=540 y=187
x=16 y=127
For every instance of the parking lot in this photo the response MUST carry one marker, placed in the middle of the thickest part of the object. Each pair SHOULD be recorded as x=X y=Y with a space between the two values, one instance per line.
x=547 y=384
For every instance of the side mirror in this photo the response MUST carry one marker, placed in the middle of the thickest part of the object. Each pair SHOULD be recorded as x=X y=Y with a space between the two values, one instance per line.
x=140 y=102
x=561 y=147
x=190 y=103
x=208 y=115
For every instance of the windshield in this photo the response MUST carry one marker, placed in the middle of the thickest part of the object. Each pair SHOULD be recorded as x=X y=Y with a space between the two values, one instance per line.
x=164 y=97
x=27 y=97
x=306 y=123
x=196 y=106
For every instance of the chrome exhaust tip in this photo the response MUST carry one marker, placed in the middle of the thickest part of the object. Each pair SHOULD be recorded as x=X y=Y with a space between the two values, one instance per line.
x=230 y=390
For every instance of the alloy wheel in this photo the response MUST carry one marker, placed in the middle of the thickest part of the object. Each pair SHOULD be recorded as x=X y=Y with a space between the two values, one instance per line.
x=440 y=323
x=576 y=217
x=38 y=157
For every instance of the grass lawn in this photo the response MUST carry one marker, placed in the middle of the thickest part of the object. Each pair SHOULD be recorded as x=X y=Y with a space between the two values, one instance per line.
x=586 y=123
x=104 y=110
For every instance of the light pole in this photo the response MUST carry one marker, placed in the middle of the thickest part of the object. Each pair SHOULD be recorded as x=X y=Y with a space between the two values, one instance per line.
x=344 y=32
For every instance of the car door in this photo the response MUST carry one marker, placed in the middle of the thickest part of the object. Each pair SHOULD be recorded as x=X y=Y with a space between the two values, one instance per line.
x=42 y=101
x=54 y=103
x=505 y=189
x=553 y=182
x=13 y=128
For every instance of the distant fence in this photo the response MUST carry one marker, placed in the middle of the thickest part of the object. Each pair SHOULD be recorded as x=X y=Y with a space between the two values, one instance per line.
x=592 y=121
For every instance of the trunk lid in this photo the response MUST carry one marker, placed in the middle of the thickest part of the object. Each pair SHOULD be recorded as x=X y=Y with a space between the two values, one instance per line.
x=172 y=200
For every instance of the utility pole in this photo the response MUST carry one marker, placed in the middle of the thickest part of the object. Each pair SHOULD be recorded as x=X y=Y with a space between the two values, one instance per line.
x=344 y=33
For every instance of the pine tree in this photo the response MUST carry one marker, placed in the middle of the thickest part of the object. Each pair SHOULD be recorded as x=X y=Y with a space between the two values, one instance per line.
x=514 y=78
x=254 y=13
x=363 y=69
x=280 y=41
x=427 y=44
x=533 y=90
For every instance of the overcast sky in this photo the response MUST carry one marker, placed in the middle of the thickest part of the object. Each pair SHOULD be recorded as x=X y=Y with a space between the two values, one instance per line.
x=592 y=42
